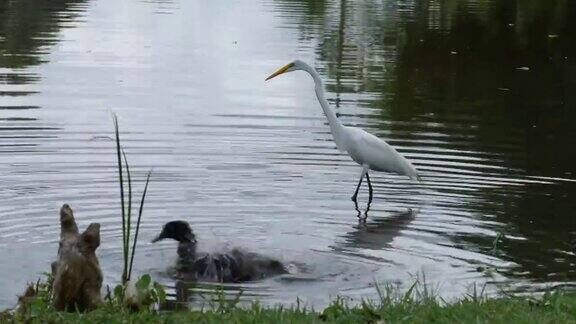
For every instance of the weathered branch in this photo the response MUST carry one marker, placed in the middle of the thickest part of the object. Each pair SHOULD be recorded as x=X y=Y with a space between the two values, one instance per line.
x=77 y=274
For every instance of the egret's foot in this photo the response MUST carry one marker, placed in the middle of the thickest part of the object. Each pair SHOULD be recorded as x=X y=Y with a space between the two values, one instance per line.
x=362 y=216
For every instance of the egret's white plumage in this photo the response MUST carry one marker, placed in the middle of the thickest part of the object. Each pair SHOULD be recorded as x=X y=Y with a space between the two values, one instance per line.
x=367 y=149
x=364 y=148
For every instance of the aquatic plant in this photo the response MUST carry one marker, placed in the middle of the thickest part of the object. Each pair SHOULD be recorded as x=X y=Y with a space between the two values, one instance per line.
x=126 y=207
x=140 y=294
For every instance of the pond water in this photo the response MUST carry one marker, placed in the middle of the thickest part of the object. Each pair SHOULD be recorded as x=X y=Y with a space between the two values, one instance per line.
x=478 y=94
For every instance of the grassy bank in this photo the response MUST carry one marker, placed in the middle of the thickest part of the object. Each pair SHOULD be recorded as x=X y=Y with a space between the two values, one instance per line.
x=555 y=307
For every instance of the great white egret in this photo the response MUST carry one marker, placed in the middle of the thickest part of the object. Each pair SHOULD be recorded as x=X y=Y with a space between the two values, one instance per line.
x=367 y=150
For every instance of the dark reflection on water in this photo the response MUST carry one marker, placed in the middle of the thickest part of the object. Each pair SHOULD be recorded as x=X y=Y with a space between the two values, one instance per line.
x=491 y=78
x=478 y=94
x=27 y=28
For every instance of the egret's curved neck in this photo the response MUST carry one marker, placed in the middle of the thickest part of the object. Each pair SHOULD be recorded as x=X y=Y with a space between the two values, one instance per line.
x=336 y=126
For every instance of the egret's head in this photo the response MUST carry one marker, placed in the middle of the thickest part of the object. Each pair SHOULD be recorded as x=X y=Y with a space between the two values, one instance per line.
x=292 y=66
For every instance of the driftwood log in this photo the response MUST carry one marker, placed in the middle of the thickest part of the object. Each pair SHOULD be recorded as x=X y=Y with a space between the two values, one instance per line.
x=77 y=274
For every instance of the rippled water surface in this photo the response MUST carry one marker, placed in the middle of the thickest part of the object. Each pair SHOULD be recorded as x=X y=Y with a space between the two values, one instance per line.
x=479 y=95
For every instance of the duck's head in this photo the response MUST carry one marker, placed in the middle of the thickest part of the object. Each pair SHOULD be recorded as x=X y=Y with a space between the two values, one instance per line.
x=176 y=230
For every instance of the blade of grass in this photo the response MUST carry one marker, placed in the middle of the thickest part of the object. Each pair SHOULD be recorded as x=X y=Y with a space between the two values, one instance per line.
x=138 y=223
x=128 y=216
x=408 y=295
x=121 y=180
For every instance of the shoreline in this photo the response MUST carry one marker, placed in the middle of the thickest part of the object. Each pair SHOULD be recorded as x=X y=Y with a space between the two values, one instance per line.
x=418 y=305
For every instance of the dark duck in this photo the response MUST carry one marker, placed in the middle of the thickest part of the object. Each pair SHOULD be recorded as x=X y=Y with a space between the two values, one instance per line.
x=234 y=266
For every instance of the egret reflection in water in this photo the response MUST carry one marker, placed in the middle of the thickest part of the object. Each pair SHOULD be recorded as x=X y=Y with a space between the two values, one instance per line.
x=377 y=233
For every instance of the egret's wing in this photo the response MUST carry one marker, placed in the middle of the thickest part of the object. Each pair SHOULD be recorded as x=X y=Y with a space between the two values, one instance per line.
x=379 y=155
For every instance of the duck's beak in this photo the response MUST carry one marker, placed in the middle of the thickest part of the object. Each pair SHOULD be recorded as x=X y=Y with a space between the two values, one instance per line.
x=157 y=238
x=191 y=238
x=280 y=71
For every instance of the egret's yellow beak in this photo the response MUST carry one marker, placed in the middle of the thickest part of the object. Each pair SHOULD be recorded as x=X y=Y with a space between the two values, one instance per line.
x=280 y=71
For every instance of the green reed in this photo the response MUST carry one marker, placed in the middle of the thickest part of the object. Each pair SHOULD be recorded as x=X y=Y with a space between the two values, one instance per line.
x=126 y=208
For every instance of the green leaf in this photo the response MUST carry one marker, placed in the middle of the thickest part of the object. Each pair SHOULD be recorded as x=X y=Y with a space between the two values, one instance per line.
x=160 y=291
x=143 y=283
x=36 y=306
x=118 y=292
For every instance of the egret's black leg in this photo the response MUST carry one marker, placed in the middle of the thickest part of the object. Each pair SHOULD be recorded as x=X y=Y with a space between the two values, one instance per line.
x=367 y=210
x=355 y=195
x=359 y=215
x=369 y=189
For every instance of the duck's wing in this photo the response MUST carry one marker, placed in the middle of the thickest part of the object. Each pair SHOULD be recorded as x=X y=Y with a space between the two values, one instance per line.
x=216 y=267
x=256 y=266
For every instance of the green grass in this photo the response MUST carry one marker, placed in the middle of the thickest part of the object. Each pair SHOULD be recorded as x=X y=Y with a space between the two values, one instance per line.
x=412 y=307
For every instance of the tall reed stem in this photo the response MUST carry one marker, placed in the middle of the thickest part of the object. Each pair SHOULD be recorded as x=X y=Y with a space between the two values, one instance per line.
x=128 y=214
x=138 y=223
x=127 y=209
x=121 y=180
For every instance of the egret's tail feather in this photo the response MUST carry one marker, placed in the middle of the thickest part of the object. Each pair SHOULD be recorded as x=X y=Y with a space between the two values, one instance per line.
x=413 y=173
x=416 y=177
